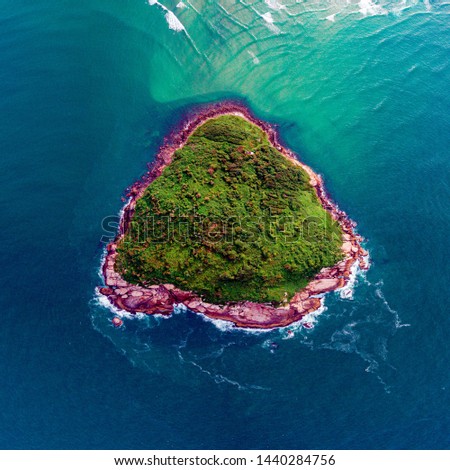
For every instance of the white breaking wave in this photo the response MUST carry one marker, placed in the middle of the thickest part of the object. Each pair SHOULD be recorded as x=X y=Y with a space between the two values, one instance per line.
x=222 y=325
x=173 y=22
x=397 y=9
x=290 y=331
x=267 y=17
x=347 y=291
x=103 y=301
x=275 y=5
x=313 y=316
x=105 y=251
x=369 y=8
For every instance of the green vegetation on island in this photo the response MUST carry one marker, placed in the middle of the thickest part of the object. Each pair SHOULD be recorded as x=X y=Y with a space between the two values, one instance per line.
x=230 y=218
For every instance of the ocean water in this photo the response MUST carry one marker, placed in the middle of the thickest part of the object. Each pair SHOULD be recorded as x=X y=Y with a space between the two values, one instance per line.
x=89 y=89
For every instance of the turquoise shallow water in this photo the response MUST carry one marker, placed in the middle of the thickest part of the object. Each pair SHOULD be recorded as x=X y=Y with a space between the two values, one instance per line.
x=87 y=92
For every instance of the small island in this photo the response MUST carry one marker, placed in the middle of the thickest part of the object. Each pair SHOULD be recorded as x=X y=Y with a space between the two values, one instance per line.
x=231 y=225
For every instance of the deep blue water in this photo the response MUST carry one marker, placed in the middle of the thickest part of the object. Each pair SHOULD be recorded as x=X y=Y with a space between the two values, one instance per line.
x=87 y=92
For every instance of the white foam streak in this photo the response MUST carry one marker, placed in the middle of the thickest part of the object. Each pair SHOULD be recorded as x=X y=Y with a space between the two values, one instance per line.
x=267 y=17
x=275 y=5
x=173 y=22
x=104 y=302
x=347 y=291
x=219 y=378
x=312 y=317
x=255 y=59
x=369 y=8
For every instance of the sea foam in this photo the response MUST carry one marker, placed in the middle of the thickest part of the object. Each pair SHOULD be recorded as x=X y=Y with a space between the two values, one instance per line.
x=173 y=22
x=267 y=17
x=103 y=301
x=255 y=59
x=369 y=8
x=275 y=5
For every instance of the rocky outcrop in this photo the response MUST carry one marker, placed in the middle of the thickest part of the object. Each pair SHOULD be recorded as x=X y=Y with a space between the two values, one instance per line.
x=160 y=299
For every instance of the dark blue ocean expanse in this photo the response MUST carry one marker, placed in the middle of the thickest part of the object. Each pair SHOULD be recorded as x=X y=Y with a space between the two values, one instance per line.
x=87 y=92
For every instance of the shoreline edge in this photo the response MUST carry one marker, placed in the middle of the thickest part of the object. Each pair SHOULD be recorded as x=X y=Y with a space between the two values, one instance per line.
x=161 y=299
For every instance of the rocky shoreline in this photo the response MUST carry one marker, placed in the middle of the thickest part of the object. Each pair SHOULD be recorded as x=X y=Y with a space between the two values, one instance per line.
x=161 y=299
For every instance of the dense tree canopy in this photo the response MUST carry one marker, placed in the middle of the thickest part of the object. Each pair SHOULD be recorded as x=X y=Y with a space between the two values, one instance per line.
x=230 y=218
